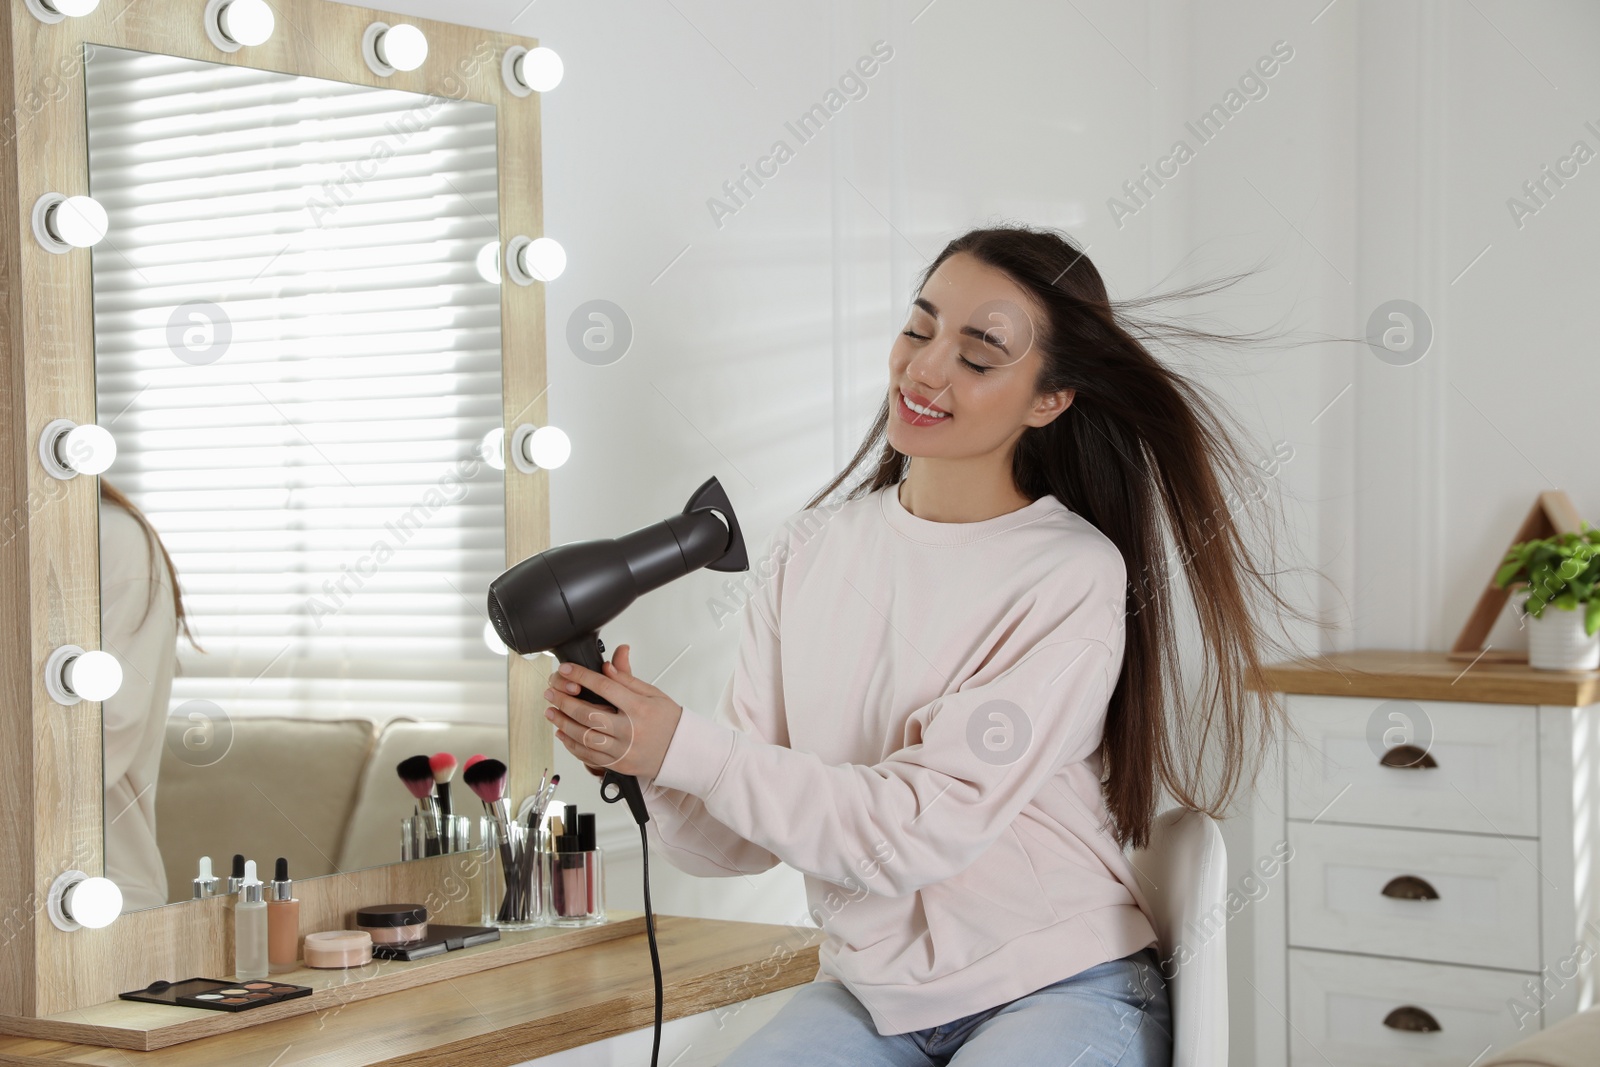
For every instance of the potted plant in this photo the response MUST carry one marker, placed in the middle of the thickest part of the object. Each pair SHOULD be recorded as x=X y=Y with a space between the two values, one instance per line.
x=1560 y=570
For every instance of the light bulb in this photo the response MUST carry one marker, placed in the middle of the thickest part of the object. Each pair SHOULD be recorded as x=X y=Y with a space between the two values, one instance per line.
x=540 y=69
x=77 y=900
x=67 y=450
x=402 y=47
x=492 y=449
x=87 y=449
x=489 y=262
x=79 y=221
x=93 y=902
x=93 y=676
x=249 y=22
x=548 y=447
x=544 y=259
x=492 y=639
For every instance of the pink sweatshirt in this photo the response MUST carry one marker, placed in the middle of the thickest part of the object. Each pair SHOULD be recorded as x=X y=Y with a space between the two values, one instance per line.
x=914 y=723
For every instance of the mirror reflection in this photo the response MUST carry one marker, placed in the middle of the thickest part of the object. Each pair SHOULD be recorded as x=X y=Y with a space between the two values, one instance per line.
x=297 y=351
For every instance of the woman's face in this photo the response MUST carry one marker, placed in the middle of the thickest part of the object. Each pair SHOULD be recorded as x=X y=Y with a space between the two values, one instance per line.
x=968 y=349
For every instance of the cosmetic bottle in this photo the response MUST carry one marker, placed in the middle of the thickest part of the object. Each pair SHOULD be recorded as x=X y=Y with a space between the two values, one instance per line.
x=250 y=928
x=206 y=884
x=283 y=922
x=236 y=879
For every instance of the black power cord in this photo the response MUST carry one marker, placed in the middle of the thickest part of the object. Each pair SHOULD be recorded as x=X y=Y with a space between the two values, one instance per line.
x=637 y=804
x=650 y=932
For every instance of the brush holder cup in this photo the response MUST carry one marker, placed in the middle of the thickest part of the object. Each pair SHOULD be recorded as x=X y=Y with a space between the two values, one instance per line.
x=513 y=877
x=425 y=834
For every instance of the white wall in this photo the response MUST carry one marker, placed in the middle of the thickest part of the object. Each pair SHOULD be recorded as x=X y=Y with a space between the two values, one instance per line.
x=1377 y=166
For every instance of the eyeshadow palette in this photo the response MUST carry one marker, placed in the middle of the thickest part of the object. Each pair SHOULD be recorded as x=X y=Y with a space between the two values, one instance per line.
x=216 y=994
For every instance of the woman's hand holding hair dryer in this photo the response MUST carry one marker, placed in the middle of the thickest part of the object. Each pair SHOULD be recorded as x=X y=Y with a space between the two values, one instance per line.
x=633 y=739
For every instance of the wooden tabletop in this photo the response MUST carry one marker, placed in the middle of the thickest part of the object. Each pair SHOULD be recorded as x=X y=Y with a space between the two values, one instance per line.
x=502 y=1016
x=1432 y=676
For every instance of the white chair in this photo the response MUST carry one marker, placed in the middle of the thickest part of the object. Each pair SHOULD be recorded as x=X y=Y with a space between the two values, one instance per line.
x=1183 y=872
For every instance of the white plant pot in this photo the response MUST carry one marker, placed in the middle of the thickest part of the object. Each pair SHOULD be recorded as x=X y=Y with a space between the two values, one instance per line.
x=1556 y=641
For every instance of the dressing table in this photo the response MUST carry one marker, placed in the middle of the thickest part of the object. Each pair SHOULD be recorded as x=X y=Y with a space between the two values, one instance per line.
x=85 y=298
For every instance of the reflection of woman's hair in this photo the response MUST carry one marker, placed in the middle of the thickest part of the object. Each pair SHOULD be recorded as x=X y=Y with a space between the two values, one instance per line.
x=112 y=495
x=1141 y=447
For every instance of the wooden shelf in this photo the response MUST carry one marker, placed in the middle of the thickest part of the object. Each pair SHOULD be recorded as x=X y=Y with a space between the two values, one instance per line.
x=131 y=1024
x=495 y=1017
x=1432 y=676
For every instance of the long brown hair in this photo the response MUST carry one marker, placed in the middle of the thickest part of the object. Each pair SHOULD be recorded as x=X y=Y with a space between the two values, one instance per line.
x=1136 y=435
x=112 y=495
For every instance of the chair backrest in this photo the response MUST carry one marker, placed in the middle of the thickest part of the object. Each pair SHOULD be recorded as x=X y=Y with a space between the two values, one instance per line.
x=1184 y=872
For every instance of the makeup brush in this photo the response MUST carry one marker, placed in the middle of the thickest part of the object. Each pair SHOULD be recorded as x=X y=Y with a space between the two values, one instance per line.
x=487 y=779
x=531 y=813
x=530 y=855
x=531 y=801
x=550 y=792
x=416 y=772
x=545 y=796
x=444 y=769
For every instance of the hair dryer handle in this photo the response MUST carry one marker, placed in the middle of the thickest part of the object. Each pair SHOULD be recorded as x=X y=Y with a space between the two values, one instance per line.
x=588 y=651
x=615 y=787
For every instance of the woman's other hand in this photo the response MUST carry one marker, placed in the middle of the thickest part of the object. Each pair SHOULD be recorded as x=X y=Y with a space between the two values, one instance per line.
x=632 y=739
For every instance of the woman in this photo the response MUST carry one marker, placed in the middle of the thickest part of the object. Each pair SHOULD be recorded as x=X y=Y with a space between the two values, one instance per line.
x=141 y=611
x=949 y=709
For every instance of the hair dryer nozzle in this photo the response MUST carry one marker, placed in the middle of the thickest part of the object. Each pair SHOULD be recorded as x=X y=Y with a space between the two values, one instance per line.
x=711 y=495
x=564 y=593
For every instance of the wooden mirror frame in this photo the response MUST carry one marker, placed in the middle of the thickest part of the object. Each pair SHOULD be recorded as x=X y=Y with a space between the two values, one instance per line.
x=52 y=788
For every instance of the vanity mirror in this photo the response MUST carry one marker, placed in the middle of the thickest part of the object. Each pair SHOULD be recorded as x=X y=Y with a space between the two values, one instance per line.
x=297 y=352
x=279 y=382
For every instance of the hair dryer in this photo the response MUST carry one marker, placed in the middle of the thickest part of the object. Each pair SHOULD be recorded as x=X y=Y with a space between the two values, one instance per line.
x=557 y=600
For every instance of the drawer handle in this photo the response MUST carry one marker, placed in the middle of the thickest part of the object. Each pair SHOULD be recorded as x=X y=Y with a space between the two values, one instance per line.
x=1408 y=756
x=1408 y=1017
x=1410 y=887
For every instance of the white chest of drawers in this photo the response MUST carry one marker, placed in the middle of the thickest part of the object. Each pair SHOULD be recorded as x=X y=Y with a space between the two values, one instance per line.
x=1432 y=908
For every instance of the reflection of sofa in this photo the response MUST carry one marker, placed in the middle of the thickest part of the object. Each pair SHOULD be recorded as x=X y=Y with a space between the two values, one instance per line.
x=323 y=794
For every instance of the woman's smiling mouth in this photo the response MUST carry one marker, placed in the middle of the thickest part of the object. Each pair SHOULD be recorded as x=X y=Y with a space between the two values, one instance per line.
x=927 y=416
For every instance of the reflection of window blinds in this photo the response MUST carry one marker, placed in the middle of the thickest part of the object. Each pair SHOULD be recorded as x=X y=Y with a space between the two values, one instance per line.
x=337 y=566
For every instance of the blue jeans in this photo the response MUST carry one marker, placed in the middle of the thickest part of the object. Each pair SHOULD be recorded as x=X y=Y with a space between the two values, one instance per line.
x=1113 y=1013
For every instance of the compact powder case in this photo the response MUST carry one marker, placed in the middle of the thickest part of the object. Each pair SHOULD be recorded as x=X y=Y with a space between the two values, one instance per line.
x=216 y=994
x=389 y=924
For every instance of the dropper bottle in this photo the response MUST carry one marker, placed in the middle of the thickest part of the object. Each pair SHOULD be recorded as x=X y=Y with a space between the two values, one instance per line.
x=250 y=928
x=283 y=922
x=206 y=884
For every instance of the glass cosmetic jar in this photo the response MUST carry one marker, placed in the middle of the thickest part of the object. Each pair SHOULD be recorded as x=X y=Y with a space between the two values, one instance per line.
x=513 y=877
x=575 y=892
